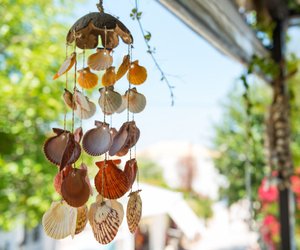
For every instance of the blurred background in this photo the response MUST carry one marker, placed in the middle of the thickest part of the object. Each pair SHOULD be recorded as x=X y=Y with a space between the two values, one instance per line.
x=191 y=156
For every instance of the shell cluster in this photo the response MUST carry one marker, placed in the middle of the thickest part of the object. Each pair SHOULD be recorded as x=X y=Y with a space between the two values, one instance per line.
x=70 y=215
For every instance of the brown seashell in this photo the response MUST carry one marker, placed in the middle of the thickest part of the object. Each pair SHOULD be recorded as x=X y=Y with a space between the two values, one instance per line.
x=85 y=109
x=137 y=101
x=134 y=211
x=98 y=140
x=68 y=99
x=82 y=218
x=101 y=60
x=109 y=100
x=87 y=29
x=115 y=182
x=84 y=167
x=62 y=149
x=109 y=78
x=123 y=67
x=74 y=188
x=59 y=177
x=136 y=74
x=60 y=220
x=105 y=221
x=66 y=66
x=130 y=170
x=87 y=79
x=113 y=132
x=78 y=134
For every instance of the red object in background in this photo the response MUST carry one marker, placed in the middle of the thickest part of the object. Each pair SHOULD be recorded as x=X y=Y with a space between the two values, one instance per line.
x=269 y=230
x=267 y=191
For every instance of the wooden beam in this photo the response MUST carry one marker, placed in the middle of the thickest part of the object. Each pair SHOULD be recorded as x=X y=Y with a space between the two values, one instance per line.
x=220 y=23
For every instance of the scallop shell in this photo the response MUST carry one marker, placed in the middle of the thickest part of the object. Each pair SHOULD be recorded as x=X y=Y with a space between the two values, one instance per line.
x=66 y=66
x=123 y=105
x=123 y=67
x=134 y=211
x=105 y=221
x=137 y=74
x=62 y=149
x=113 y=132
x=87 y=79
x=75 y=189
x=60 y=220
x=125 y=139
x=84 y=167
x=130 y=170
x=78 y=134
x=110 y=181
x=137 y=101
x=82 y=218
x=68 y=99
x=109 y=100
x=98 y=140
x=109 y=78
x=59 y=177
x=101 y=60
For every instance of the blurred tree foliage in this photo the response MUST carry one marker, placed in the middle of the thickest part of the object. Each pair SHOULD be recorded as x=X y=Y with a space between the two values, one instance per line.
x=31 y=49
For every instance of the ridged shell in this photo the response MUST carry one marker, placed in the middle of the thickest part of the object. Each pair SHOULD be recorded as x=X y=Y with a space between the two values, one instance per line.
x=68 y=99
x=97 y=141
x=134 y=211
x=137 y=101
x=59 y=177
x=82 y=218
x=105 y=222
x=75 y=189
x=125 y=139
x=123 y=67
x=85 y=114
x=111 y=180
x=87 y=79
x=130 y=170
x=137 y=74
x=109 y=100
x=123 y=105
x=60 y=220
x=109 y=78
x=66 y=66
x=101 y=60
x=57 y=149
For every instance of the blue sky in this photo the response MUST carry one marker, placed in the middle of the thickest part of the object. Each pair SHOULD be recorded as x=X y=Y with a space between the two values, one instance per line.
x=201 y=75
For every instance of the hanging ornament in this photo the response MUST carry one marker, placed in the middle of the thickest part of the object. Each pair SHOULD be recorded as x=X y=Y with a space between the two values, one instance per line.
x=137 y=74
x=109 y=78
x=87 y=79
x=134 y=211
x=101 y=60
x=66 y=66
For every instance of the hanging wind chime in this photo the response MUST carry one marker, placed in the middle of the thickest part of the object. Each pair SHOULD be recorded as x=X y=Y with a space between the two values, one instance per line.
x=69 y=216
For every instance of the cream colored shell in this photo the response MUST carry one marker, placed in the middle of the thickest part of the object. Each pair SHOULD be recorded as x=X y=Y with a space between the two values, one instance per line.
x=134 y=211
x=82 y=218
x=101 y=60
x=109 y=100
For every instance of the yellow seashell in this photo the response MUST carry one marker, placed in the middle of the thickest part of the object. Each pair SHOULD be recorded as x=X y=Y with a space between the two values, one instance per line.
x=137 y=74
x=66 y=66
x=134 y=211
x=82 y=218
x=60 y=220
x=87 y=79
x=101 y=60
x=109 y=78
x=123 y=67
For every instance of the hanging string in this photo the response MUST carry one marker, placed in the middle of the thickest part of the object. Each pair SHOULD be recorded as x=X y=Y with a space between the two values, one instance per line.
x=74 y=90
x=65 y=111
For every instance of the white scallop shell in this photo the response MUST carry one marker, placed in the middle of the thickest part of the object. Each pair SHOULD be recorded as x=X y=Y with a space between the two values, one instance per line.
x=137 y=101
x=60 y=220
x=134 y=211
x=109 y=100
x=100 y=60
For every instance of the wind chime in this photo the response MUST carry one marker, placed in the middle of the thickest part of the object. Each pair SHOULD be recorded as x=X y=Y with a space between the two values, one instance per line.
x=69 y=216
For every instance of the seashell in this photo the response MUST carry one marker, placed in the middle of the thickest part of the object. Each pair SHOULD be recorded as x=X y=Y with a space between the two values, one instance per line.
x=82 y=218
x=123 y=105
x=123 y=67
x=59 y=177
x=74 y=188
x=137 y=74
x=109 y=78
x=113 y=132
x=110 y=181
x=130 y=170
x=60 y=220
x=84 y=167
x=78 y=134
x=101 y=60
x=137 y=101
x=125 y=139
x=109 y=100
x=62 y=149
x=86 y=31
x=68 y=99
x=134 y=211
x=98 y=140
x=66 y=66
x=105 y=221
x=87 y=79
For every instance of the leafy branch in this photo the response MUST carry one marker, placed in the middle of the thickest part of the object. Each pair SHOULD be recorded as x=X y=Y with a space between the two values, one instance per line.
x=136 y=15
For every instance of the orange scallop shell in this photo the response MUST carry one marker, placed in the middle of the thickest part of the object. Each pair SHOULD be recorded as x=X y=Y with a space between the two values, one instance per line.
x=87 y=79
x=100 y=60
x=109 y=78
x=82 y=218
x=123 y=67
x=115 y=182
x=137 y=74
x=75 y=189
x=66 y=66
